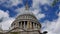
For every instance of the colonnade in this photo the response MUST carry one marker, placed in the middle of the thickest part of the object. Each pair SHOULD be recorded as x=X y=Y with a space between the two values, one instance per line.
x=28 y=25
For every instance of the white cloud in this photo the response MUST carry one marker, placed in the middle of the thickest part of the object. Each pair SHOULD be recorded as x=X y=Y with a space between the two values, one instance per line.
x=40 y=16
x=10 y=3
x=6 y=21
x=37 y=13
x=44 y=1
x=16 y=2
x=3 y=14
x=6 y=24
x=37 y=2
x=52 y=27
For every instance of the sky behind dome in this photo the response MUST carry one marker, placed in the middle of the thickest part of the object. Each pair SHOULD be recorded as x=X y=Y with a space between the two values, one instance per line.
x=48 y=15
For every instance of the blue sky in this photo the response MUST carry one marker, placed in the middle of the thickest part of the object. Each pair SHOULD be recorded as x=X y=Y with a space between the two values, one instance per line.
x=50 y=12
x=43 y=10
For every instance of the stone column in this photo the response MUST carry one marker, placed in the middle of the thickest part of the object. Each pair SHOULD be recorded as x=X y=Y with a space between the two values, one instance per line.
x=24 y=25
x=36 y=26
x=28 y=25
x=21 y=24
x=33 y=26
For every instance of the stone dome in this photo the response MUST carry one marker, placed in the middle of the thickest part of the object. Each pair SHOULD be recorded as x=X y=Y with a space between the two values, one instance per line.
x=27 y=16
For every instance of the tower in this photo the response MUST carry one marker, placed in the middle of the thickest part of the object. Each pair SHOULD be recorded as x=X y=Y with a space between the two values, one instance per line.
x=25 y=23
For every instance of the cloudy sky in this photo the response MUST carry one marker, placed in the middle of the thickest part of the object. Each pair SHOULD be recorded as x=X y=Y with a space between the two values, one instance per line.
x=48 y=15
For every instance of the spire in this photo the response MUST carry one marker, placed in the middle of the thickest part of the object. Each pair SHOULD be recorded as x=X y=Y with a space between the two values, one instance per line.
x=26 y=6
x=26 y=9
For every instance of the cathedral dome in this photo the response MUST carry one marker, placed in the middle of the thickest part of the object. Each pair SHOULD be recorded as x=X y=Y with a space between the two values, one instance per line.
x=26 y=20
x=28 y=16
